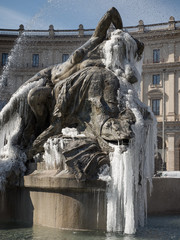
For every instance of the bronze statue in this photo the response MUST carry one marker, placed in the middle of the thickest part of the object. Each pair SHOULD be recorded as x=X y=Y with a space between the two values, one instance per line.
x=82 y=93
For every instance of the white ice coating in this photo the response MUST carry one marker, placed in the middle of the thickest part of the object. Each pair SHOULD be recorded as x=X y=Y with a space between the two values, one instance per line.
x=53 y=149
x=170 y=174
x=53 y=156
x=12 y=116
x=131 y=170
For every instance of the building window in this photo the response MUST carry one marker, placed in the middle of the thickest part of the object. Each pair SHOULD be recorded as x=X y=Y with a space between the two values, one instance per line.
x=65 y=57
x=156 y=79
x=156 y=106
x=35 y=60
x=156 y=55
x=4 y=58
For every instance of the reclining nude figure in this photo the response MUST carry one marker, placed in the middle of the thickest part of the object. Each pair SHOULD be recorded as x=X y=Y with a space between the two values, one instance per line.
x=88 y=92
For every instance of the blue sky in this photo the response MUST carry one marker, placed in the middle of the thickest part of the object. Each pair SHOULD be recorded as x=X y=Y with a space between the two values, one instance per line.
x=68 y=14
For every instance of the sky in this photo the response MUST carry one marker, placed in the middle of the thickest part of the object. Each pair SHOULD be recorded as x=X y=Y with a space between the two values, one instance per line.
x=68 y=14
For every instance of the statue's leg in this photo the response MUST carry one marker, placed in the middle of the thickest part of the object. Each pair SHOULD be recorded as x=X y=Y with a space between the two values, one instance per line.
x=37 y=147
x=28 y=135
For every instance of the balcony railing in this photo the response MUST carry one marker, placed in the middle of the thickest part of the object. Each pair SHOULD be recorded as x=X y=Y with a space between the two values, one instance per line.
x=171 y=25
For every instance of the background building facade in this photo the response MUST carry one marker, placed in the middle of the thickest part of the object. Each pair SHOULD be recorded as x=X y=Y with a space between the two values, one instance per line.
x=160 y=88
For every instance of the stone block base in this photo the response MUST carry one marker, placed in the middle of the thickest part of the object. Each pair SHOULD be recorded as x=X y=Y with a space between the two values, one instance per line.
x=57 y=201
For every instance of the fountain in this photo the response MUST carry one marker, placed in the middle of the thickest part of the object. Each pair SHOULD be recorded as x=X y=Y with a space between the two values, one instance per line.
x=84 y=121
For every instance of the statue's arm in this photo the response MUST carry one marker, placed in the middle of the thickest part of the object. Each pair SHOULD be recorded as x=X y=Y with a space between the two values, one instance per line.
x=111 y=16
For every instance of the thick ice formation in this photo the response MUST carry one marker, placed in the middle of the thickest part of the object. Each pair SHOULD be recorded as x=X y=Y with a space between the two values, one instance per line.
x=53 y=148
x=53 y=153
x=130 y=170
x=12 y=117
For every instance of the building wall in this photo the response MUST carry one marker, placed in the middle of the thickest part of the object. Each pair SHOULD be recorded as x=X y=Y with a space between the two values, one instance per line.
x=165 y=37
x=167 y=41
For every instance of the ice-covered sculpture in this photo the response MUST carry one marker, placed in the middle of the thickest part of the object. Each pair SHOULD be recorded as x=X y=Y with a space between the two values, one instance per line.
x=84 y=113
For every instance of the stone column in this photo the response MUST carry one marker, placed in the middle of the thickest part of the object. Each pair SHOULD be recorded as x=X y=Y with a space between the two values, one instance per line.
x=171 y=152
x=51 y=31
x=171 y=102
x=21 y=29
x=141 y=26
x=177 y=163
x=178 y=96
x=171 y=52
x=81 y=30
x=172 y=24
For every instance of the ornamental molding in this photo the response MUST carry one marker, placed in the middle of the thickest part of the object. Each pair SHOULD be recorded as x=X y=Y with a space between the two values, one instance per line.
x=155 y=93
x=153 y=67
x=174 y=125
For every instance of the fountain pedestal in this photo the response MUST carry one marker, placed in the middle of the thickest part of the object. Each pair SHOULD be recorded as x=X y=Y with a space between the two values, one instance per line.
x=63 y=203
x=58 y=201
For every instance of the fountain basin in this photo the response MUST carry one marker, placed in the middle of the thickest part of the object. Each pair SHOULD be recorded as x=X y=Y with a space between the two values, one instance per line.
x=62 y=202
x=165 y=197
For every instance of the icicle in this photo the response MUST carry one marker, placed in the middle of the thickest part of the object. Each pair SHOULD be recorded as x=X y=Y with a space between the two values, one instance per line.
x=53 y=148
x=12 y=158
x=130 y=170
x=53 y=154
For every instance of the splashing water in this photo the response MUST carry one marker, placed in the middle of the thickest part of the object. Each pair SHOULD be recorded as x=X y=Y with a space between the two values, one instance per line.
x=131 y=170
x=11 y=159
x=17 y=56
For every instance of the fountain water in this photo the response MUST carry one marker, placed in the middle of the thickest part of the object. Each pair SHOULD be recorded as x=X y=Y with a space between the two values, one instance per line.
x=95 y=91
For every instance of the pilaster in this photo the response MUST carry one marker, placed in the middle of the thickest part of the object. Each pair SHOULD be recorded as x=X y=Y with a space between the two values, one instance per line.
x=171 y=100
x=171 y=152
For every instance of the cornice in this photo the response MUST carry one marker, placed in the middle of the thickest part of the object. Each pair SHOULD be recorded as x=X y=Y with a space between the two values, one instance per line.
x=155 y=93
x=46 y=39
x=161 y=66
x=170 y=125
x=157 y=35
